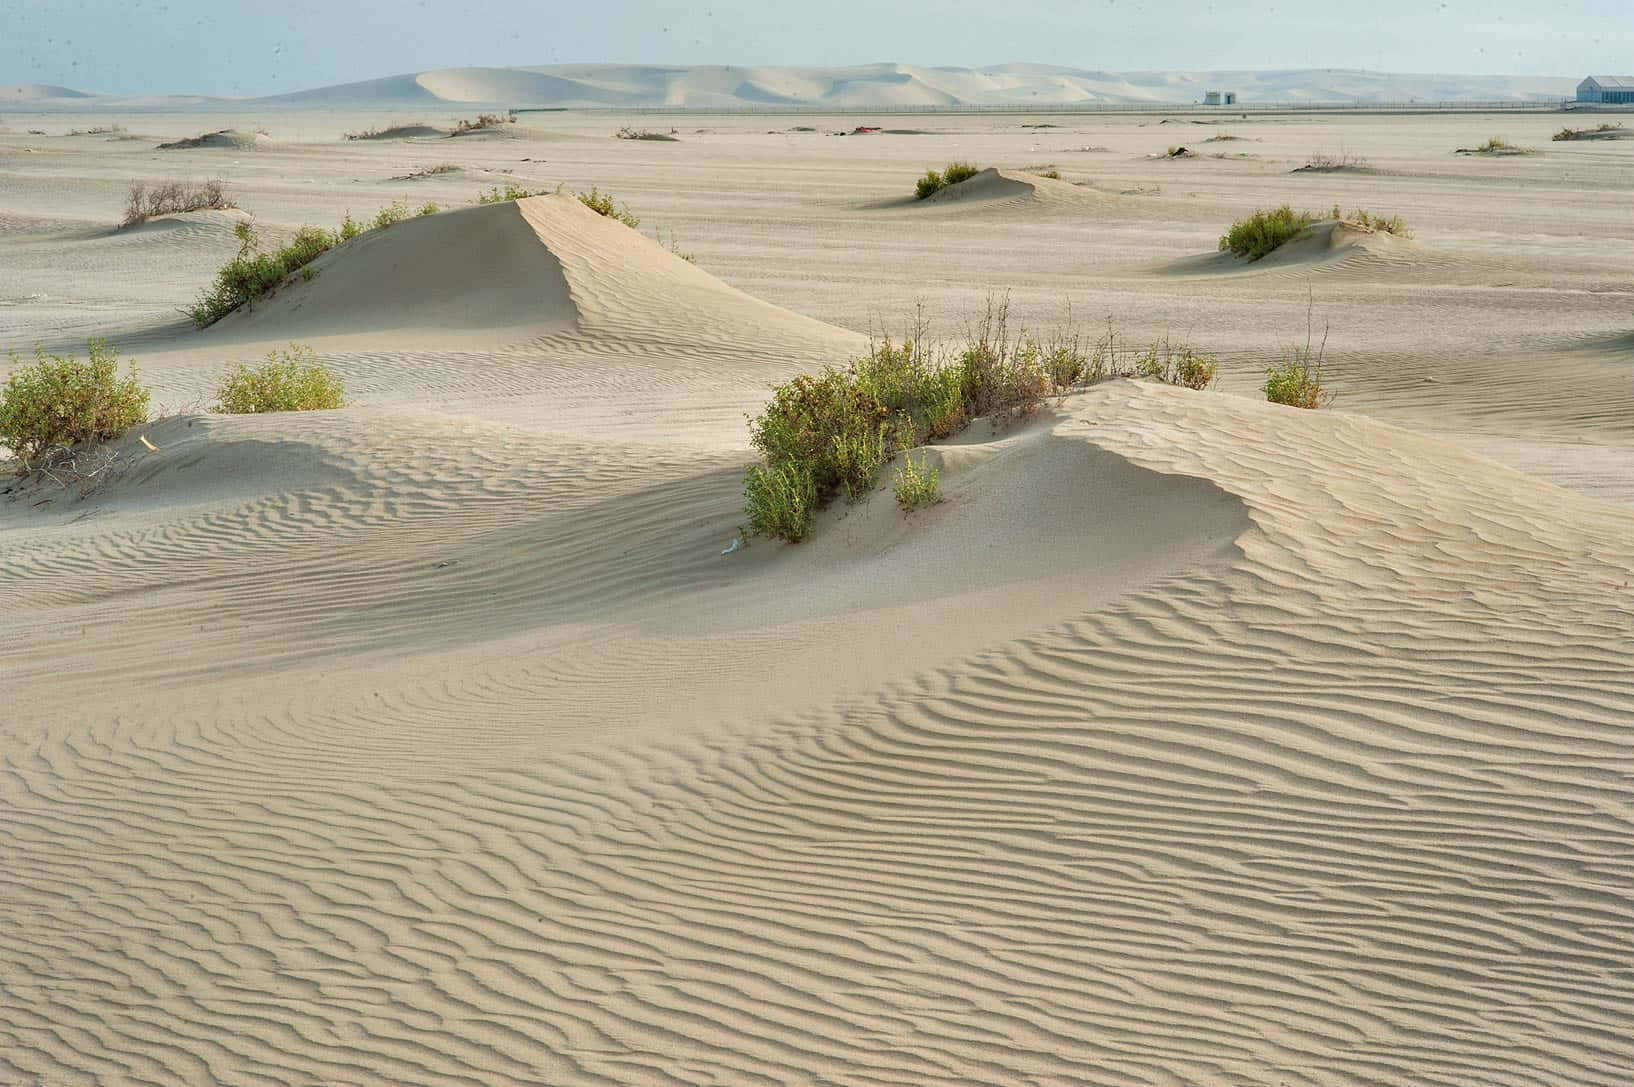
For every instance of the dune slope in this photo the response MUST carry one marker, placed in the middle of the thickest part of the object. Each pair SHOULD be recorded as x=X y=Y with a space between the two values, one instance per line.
x=1337 y=804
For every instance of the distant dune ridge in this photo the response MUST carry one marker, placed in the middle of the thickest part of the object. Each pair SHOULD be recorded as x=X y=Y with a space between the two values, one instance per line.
x=870 y=85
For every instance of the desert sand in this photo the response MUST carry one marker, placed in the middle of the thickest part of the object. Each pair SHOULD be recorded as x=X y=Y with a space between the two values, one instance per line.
x=1190 y=741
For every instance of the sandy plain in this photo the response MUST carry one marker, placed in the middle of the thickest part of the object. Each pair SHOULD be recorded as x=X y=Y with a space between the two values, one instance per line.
x=1192 y=740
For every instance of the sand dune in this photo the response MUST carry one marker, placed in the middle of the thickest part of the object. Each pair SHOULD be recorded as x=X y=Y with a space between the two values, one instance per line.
x=1012 y=188
x=876 y=85
x=1190 y=741
x=512 y=271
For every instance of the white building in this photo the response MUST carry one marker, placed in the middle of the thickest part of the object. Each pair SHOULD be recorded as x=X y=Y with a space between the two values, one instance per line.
x=1220 y=98
x=1607 y=88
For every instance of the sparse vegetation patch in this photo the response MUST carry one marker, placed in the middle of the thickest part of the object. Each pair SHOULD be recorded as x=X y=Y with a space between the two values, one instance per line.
x=254 y=272
x=1609 y=130
x=628 y=133
x=145 y=201
x=466 y=125
x=1326 y=161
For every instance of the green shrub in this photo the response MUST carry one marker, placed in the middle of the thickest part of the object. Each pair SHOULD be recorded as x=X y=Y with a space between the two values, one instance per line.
x=394 y=212
x=292 y=380
x=253 y=273
x=496 y=195
x=1264 y=231
x=933 y=182
x=830 y=434
x=1176 y=364
x=428 y=208
x=1296 y=380
x=1054 y=175
x=1394 y=224
x=60 y=401
x=782 y=500
x=602 y=204
x=916 y=483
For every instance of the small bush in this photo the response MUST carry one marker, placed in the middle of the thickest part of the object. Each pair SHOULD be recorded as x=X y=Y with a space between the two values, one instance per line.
x=1264 y=231
x=172 y=197
x=781 y=500
x=484 y=120
x=1297 y=379
x=60 y=401
x=428 y=208
x=915 y=484
x=394 y=212
x=831 y=434
x=628 y=133
x=1054 y=175
x=602 y=204
x=1393 y=224
x=292 y=380
x=1176 y=364
x=933 y=182
x=1344 y=160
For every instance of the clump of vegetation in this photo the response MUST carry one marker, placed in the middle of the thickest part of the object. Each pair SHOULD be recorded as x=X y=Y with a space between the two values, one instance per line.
x=1344 y=160
x=1052 y=173
x=483 y=120
x=602 y=204
x=1495 y=146
x=511 y=191
x=292 y=380
x=1176 y=364
x=145 y=201
x=253 y=273
x=1599 y=131
x=428 y=171
x=933 y=182
x=628 y=133
x=1393 y=224
x=915 y=484
x=1264 y=231
x=830 y=434
x=62 y=402
x=1297 y=379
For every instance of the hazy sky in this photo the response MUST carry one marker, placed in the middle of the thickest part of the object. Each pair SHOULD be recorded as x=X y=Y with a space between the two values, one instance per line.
x=273 y=46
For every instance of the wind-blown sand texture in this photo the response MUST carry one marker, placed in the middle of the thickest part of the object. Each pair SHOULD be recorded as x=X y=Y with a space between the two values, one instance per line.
x=1191 y=740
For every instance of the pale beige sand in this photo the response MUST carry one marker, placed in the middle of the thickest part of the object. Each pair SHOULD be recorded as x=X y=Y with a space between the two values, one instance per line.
x=1192 y=740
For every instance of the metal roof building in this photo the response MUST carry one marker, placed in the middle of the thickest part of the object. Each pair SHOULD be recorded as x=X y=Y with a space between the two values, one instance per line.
x=1607 y=88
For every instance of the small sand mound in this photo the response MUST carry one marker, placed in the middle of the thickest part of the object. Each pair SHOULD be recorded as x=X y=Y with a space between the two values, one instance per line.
x=1332 y=240
x=397 y=132
x=501 y=273
x=993 y=184
x=230 y=139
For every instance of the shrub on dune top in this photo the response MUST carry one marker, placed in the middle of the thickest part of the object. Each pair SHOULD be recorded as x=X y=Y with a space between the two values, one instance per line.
x=145 y=201
x=292 y=380
x=934 y=182
x=1264 y=231
x=832 y=433
x=60 y=401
